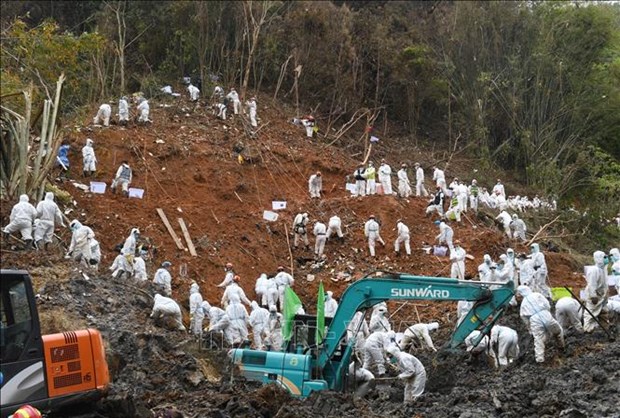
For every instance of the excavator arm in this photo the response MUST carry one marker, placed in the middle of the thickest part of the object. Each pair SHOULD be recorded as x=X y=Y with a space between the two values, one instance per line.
x=365 y=293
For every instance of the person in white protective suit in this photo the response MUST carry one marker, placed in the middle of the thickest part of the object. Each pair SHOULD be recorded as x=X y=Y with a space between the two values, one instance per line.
x=260 y=288
x=539 y=280
x=234 y=290
x=482 y=347
x=103 y=114
x=123 y=111
x=457 y=257
x=454 y=211
x=89 y=159
x=526 y=270
x=139 y=268
x=79 y=249
x=95 y=254
x=251 y=105
x=463 y=191
x=48 y=214
x=484 y=269
x=283 y=279
x=163 y=279
x=331 y=306
x=404 y=187
x=473 y=192
x=315 y=185
x=362 y=380
x=233 y=97
x=201 y=311
x=196 y=315
x=420 y=190
x=403 y=236
x=412 y=372
x=374 y=348
x=446 y=234
x=596 y=291
x=420 y=334
x=505 y=270
x=499 y=189
x=271 y=290
x=334 y=227
x=568 y=313
x=360 y=180
x=614 y=259
x=462 y=308
x=371 y=231
x=166 y=308
x=274 y=341
x=436 y=203
x=518 y=227
x=378 y=319
x=143 y=110
x=320 y=233
x=440 y=178
x=299 y=230
x=385 y=177
x=194 y=92
x=220 y=323
x=121 y=267
x=239 y=319
x=123 y=177
x=218 y=93
x=220 y=110
x=358 y=328
x=259 y=321
x=505 y=219
x=511 y=262
x=505 y=342
x=129 y=247
x=541 y=324
x=229 y=275
x=371 y=179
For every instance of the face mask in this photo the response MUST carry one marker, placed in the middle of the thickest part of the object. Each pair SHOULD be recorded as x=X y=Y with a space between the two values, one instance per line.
x=606 y=260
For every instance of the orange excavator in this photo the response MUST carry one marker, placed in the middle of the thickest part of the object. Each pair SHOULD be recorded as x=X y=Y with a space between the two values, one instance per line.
x=46 y=371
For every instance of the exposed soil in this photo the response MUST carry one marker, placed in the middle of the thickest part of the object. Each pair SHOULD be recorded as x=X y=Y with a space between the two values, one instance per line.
x=194 y=174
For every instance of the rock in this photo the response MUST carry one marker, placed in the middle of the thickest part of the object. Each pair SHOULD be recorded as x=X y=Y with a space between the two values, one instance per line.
x=599 y=376
x=572 y=413
x=195 y=377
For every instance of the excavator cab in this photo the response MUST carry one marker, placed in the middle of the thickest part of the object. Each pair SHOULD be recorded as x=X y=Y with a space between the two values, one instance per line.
x=48 y=371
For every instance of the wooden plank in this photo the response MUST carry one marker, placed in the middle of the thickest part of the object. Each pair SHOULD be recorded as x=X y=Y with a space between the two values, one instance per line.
x=174 y=236
x=188 y=238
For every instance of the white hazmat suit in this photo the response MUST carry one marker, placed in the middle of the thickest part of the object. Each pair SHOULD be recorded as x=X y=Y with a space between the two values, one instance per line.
x=164 y=307
x=535 y=313
x=48 y=214
x=412 y=372
x=596 y=291
x=568 y=313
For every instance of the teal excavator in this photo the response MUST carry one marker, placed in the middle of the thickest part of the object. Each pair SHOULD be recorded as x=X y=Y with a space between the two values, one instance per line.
x=304 y=368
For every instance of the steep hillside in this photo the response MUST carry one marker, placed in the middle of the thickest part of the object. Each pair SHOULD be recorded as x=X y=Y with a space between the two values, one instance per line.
x=186 y=162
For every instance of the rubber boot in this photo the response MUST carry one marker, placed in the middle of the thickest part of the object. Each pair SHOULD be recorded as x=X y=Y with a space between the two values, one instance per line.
x=28 y=245
x=47 y=247
x=37 y=244
x=5 y=235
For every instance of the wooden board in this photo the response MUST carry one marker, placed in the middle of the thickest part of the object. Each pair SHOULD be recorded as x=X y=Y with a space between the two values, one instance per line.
x=174 y=236
x=188 y=238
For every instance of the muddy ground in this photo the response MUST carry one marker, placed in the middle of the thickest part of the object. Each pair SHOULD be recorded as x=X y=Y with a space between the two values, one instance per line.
x=187 y=164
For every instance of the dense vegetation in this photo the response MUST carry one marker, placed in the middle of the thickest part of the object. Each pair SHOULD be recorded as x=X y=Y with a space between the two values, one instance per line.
x=531 y=87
